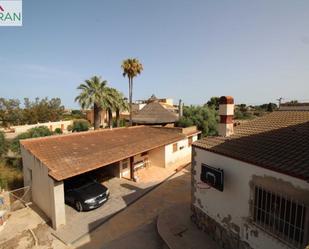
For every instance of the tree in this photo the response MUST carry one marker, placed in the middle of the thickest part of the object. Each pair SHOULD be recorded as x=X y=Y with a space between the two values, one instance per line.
x=131 y=68
x=93 y=93
x=42 y=110
x=205 y=118
x=3 y=144
x=10 y=112
x=214 y=102
x=118 y=104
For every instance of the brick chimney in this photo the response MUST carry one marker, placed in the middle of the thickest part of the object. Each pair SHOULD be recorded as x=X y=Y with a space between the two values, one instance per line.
x=226 y=112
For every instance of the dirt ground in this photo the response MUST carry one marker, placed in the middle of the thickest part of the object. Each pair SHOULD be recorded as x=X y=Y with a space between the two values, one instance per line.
x=26 y=229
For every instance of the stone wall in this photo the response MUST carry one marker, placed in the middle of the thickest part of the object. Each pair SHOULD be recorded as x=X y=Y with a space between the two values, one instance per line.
x=224 y=237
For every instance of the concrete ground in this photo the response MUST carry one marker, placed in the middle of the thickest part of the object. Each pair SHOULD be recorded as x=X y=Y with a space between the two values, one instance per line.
x=179 y=232
x=135 y=227
x=122 y=193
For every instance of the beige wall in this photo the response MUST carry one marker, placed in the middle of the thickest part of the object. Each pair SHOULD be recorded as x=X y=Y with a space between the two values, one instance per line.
x=157 y=157
x=52 y=125
x=47 y=194
x=232 y=204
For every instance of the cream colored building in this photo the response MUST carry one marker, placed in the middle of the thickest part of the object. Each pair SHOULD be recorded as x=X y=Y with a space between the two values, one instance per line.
x=250 y=184
x=48 y=162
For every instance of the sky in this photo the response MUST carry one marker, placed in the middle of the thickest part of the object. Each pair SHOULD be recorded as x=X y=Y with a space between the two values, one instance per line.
x=256 y=51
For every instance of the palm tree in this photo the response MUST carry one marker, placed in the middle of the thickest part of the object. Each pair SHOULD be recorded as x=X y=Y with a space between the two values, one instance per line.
x=94 y=92
x=131 y=68
x=119 y=104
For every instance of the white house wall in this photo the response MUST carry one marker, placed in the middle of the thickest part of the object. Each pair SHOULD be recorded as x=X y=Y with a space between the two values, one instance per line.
x=47 y=194
x=231 y=208
x=181 y=156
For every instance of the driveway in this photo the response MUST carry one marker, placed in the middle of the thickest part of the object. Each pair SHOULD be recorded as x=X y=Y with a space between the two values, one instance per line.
x=135 y=226
x=122 y=193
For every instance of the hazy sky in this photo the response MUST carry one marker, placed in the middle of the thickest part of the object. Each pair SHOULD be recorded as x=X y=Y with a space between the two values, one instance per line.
x=256 y=51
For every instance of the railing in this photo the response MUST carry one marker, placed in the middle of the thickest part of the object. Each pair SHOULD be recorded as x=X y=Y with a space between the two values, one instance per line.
x=16 y=199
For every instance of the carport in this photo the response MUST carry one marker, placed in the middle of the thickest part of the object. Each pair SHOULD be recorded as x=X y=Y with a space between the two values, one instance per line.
x=49 y=161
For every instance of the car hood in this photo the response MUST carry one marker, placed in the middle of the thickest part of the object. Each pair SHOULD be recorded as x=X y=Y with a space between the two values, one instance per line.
x=91 y=191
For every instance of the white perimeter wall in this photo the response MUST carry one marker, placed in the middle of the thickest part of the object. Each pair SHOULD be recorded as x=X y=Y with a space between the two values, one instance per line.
x=47 y=194
x=23 y=128
x=232 y=204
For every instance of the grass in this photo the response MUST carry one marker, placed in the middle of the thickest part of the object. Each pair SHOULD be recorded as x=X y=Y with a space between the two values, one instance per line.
x=10 y=177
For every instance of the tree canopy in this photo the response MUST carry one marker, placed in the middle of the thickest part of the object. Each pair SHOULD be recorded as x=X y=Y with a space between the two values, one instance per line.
x=95 y=93
x=39 y=110
x=131 y=68
x=204 y=117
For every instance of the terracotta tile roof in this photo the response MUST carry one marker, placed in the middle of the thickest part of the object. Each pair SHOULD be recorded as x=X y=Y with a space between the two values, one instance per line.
x=278 y=141
x=73 y=154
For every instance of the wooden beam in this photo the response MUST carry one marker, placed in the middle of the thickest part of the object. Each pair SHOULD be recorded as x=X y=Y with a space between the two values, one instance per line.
x=132 y=168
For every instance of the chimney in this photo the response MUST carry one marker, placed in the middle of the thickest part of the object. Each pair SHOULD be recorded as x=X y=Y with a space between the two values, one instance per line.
x=226 y=112
x=180 y=108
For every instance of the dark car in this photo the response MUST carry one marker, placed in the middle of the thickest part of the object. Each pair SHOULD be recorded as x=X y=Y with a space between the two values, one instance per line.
x=84 y=193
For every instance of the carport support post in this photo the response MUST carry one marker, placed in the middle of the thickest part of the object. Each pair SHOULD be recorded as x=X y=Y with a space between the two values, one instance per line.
x=132 y=168
x=57 y=211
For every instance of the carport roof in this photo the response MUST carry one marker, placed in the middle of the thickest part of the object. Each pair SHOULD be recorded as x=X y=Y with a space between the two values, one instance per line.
x=69 y=155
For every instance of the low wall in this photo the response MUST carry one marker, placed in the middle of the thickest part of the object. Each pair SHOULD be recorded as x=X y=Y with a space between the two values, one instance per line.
x=63 y=125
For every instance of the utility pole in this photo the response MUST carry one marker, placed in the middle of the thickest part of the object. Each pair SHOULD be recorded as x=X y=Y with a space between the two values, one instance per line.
x=279 y=100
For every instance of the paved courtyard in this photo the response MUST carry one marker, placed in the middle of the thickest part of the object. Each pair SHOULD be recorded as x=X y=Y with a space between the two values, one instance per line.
x=135 y=227
x=122 y=193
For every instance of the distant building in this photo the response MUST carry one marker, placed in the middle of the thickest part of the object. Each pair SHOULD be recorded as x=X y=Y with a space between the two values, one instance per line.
x=156 y=112
x=103 y=117
x=167 y=103
x=250 y=184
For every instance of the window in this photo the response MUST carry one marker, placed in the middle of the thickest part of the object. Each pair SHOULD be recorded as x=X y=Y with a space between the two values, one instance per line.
x=175 y=147
x=125 y=164
x=280 y=215
x=190 y=141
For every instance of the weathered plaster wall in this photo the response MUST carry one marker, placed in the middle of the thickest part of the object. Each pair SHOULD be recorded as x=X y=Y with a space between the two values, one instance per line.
x=230 y=209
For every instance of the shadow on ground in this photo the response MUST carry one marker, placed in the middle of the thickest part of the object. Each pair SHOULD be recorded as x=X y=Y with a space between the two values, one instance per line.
x=135 y=226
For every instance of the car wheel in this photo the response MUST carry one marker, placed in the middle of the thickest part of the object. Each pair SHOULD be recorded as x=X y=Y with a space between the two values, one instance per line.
x=78 y=206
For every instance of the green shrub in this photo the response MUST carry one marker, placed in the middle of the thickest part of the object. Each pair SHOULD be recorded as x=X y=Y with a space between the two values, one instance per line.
x=3 y=144
x=10 y=177
x=80 y=125
x=41 y=131
x=58 y=131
